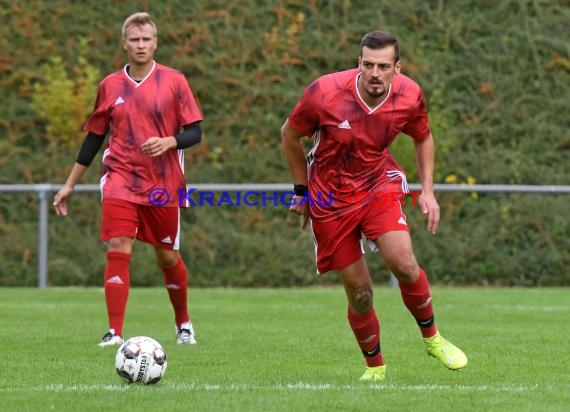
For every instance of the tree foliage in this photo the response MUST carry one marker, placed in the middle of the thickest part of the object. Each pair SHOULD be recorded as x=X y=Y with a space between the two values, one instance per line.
x=64 y=101
x=496 y=76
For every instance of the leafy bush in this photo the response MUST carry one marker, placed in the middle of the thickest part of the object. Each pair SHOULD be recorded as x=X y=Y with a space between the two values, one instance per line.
x=496 y=78
x=63 y=102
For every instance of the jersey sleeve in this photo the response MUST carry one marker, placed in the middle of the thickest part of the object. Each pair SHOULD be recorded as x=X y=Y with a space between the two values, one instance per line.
x=417 y=126
x=306 y=114
x=188 y=110
x=99 y=120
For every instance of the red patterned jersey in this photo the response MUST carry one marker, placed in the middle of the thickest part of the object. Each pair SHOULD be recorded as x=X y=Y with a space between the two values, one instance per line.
x=351 y=140
x=157 y=106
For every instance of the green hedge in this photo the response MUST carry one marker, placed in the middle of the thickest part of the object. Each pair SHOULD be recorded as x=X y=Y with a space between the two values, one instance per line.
x=496 y=77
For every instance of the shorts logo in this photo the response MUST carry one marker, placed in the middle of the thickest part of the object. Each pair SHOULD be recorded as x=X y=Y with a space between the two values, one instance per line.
x=166 y=240
x=402 y=221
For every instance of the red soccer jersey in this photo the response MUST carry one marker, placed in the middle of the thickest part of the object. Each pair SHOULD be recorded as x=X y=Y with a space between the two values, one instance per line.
x=351 y=140
x=158 y=106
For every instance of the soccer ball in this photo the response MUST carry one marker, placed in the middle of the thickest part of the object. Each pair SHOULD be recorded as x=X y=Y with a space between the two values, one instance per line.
x=141 y=360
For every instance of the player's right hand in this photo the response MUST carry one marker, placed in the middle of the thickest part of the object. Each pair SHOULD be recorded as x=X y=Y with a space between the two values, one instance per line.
x=60 y=201
x=300 y=209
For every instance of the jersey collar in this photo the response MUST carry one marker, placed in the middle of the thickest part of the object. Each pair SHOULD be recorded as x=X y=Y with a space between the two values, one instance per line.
x=370 y=109
x=135 y=83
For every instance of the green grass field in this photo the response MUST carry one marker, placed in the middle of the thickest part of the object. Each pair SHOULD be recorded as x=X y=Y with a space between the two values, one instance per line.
x=286 y=350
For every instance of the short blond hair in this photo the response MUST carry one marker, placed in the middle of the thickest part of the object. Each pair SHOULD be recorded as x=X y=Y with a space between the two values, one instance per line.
x=138 y=19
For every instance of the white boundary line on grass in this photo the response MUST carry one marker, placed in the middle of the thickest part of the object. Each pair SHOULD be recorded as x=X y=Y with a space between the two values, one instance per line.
x=530 y=308
x=300 y=386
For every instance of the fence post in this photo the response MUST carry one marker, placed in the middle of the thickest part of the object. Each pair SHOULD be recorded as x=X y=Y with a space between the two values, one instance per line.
x=43 y=191
x=393 y=281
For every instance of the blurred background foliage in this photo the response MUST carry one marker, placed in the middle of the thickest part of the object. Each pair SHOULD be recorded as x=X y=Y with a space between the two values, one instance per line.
x=496 y=75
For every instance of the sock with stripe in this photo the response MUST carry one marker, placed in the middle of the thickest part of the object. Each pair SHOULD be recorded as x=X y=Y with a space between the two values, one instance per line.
x=176 y=283
x=366 y=329
x=116 y=283
x=417 y=298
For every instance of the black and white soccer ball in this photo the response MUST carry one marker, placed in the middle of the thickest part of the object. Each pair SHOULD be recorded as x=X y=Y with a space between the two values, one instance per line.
x=141 y=360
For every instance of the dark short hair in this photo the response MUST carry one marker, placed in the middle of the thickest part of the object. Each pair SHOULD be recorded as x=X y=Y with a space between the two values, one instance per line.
x=378 y=40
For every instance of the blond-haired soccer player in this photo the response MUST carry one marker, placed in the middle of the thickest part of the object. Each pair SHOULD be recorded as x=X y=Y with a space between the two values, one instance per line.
x=151 y=116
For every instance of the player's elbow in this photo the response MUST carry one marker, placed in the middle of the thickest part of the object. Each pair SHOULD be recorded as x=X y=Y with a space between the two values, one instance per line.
x=284 y=130
x=288 y=135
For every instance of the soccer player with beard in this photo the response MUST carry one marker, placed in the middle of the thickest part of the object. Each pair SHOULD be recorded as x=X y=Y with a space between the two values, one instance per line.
x=151 y=115
x=353 y=116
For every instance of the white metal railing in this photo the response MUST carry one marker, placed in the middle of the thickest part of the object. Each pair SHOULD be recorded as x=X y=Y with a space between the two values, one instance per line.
x=44 y=190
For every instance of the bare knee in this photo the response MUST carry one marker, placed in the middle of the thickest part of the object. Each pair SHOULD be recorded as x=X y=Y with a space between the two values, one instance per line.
x=397 y=252
x=166 y=258
x=405 y=268
x=120 y=244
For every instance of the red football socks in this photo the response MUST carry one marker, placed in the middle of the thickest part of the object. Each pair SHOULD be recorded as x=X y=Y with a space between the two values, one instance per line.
x=366 y=329
x=116 y=284
x=176 y=283
x=417 y=298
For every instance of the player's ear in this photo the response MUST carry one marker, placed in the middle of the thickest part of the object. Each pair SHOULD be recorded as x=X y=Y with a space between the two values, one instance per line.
x=124 y=43
x=398 y=66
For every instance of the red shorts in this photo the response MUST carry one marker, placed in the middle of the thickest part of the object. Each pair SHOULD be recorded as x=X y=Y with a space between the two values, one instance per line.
x=159 y=226
x=338 y=243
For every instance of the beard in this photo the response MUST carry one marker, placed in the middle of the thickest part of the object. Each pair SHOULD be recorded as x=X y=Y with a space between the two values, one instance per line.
x=375 y=92
x=376 y=87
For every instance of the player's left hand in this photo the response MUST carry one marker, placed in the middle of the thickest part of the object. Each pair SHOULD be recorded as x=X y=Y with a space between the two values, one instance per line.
x=155 y=146
x=430 y=207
